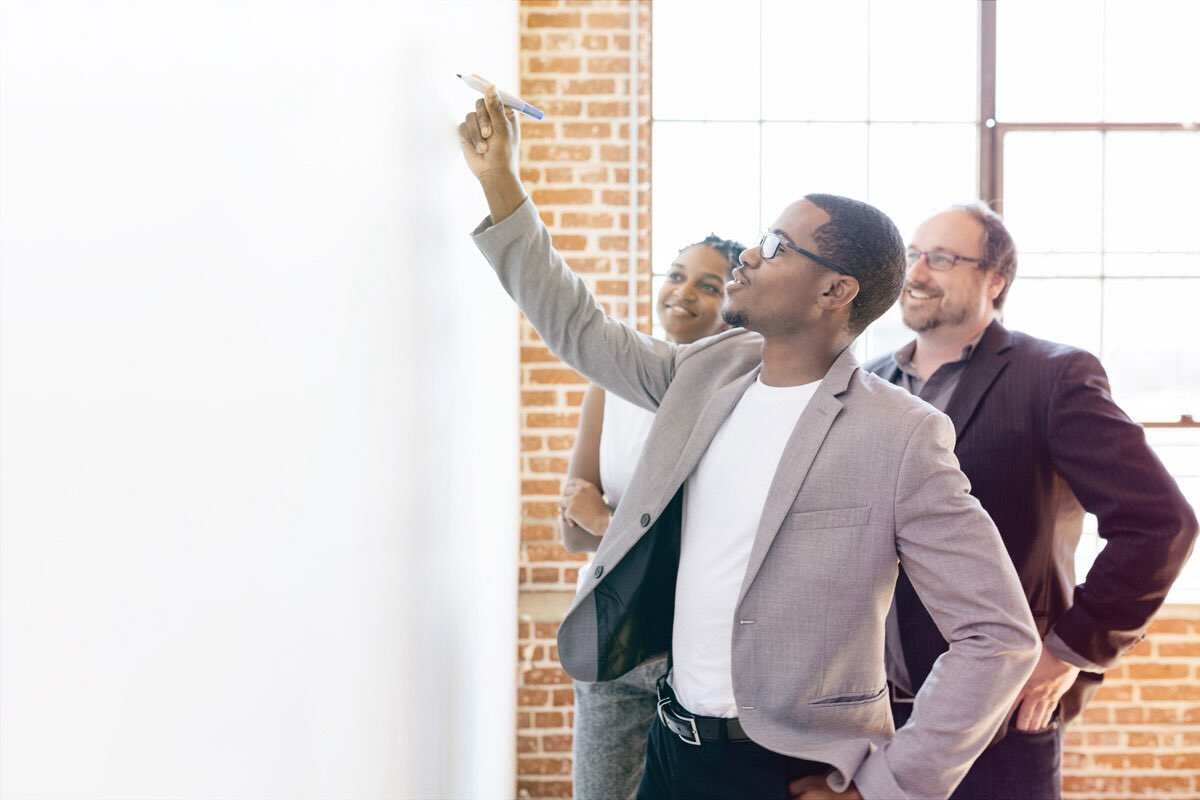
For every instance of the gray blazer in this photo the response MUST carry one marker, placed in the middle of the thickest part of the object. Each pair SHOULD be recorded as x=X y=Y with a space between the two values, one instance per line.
x=868 y=479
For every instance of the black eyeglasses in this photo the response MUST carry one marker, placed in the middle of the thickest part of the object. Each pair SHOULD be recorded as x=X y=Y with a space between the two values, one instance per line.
x=937 y=260
x=771 y=242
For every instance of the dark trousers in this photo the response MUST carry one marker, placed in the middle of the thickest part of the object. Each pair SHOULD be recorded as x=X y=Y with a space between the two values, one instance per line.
x=1021 y=766
x=725 y=770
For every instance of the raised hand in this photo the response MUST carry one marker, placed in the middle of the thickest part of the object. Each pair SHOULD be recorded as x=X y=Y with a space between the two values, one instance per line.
x=489 y=135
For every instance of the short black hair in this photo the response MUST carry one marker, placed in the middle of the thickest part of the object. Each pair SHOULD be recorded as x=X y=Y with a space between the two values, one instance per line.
x=730 y=249
x=865 y=242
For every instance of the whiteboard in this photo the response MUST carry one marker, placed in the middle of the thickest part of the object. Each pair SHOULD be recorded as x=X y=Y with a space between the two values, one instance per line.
x=258 y=404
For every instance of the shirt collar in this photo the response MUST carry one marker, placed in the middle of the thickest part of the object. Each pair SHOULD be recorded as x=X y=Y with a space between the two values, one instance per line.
x=904 y=355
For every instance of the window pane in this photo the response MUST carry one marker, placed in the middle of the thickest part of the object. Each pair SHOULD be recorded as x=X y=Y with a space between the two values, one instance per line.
x=704 y=64
x=886 y=334
x=1090 y=545
x=1052 y=190
x=1142 y=265
x=1058 y=265
x=1179 y=449
x=1150 y=54
x=800 y=158
x=814 y=59
x=1049 y=62
x=1150 y=190
x=923 y=56
x=690 y=196
x=1059 y=309
x=917 y=170
x=1151 y=350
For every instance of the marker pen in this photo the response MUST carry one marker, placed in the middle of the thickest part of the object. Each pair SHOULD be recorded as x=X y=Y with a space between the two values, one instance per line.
x=478 y=84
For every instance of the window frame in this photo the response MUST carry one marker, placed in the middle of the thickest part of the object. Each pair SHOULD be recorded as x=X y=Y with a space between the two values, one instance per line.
x=991 y=133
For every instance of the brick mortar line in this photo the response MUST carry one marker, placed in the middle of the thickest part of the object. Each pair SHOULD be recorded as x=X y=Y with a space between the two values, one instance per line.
x=1131 y=772
x=1138 y=727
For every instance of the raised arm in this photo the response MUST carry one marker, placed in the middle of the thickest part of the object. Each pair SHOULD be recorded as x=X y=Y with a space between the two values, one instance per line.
x=489 y=137
x=557 y=303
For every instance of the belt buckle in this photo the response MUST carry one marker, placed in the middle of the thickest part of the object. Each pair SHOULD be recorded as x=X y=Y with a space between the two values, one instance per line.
x=663 y=710
x=904 y=701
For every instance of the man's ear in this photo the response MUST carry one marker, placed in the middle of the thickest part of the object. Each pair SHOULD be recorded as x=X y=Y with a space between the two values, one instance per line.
x=841 y=291
x=996 y=284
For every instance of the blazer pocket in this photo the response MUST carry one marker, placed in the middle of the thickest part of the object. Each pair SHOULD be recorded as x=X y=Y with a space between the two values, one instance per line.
x=830 y=518
x=848 y=699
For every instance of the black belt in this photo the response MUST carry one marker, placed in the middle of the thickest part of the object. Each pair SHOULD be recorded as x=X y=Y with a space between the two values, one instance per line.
x=692 y=728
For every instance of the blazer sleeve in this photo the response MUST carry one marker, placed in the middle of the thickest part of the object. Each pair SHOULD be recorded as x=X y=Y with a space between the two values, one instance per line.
x=1148 y=526
x=570 y=321
x=954 y=556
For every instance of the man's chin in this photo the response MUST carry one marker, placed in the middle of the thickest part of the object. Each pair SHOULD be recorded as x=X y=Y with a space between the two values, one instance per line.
x=734 y=319
x=920 y=324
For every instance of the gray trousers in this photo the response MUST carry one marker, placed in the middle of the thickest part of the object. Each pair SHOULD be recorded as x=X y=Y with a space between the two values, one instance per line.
x=612 y=723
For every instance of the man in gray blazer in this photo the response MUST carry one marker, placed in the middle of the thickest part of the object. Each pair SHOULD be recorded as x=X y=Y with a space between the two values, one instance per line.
x=760 y=538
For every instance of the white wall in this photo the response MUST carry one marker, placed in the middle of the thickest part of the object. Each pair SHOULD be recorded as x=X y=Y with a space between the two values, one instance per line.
x=258 y=404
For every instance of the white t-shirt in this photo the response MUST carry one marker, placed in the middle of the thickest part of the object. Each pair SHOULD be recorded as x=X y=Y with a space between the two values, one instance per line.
x=723 y=502
x=622 y=437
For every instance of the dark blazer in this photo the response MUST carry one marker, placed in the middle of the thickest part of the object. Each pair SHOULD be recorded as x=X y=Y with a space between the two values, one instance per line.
x=1041 y=441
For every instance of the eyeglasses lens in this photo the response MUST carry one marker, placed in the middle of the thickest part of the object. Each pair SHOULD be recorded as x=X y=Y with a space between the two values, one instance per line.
x=936 y=261
x=769 y=245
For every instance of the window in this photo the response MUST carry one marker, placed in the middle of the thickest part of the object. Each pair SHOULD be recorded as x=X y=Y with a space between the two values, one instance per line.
x=1076 y=118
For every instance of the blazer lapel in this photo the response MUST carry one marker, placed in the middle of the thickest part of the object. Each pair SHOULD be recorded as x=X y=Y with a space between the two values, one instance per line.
x=707 y=424
x=988 y=361
x=798 y=456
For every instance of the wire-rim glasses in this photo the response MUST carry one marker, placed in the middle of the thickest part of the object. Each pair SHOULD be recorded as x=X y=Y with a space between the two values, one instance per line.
x=938 y=260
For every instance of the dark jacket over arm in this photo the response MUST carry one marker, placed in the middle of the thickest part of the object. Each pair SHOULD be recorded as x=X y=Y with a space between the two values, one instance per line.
x=1042 y=441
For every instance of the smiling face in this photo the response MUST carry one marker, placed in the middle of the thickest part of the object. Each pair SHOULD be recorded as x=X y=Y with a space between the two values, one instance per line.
x=780 y=296
x=955 y=302
x=689 y=303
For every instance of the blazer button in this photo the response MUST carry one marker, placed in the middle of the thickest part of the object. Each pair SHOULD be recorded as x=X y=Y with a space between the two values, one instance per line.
x=598 y=571
x=645 y=520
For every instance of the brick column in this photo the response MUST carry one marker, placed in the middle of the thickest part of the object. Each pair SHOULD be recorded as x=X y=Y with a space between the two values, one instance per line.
x=575 y=65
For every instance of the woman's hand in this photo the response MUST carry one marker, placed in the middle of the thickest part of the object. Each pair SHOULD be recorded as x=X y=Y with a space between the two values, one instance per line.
x=583 y=506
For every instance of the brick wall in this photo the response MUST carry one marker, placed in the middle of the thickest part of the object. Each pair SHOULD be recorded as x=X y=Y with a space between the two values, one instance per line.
x=1140 y=738
x=575 y=65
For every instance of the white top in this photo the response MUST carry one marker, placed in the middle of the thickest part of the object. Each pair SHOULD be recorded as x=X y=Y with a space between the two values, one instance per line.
x=622 y=437
x=723 y=502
